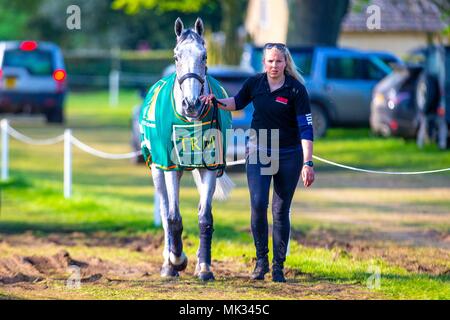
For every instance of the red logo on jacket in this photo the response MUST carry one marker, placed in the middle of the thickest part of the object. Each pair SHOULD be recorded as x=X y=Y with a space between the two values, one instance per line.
x=281 y=100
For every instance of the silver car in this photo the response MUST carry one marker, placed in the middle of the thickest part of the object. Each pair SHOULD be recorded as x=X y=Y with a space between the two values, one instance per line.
x=32 y=79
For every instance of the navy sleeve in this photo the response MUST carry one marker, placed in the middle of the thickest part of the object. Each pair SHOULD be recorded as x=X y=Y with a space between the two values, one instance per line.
x=303 y=111
x=244 y=96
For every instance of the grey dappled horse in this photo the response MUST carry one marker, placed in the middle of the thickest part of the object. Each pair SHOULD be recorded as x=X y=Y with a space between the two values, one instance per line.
x=190 y=61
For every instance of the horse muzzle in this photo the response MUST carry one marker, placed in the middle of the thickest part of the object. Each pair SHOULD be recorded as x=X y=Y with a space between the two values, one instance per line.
x=192 y=107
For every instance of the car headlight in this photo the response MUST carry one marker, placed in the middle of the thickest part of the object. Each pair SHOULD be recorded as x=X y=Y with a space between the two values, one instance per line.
x=379 y=99
x=391 y=104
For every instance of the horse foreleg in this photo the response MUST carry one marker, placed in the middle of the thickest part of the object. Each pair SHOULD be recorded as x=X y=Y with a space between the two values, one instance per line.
x=167 y=271
x=205 y=222
x=177 y=258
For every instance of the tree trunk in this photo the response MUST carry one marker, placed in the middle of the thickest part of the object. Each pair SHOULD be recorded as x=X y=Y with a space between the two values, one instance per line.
x=315 y=22
x=232 y=19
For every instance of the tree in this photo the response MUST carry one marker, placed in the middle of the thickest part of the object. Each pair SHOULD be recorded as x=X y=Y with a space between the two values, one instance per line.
x=14 y=17
x=231 y=16
x=313 y=22
x=134 y=6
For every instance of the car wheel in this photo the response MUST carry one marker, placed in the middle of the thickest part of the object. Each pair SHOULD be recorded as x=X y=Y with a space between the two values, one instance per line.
x=56 y=115
x=320 y=120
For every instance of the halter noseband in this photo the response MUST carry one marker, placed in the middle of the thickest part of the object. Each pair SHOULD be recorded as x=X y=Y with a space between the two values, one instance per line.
x=191 y=75
x=195 y=76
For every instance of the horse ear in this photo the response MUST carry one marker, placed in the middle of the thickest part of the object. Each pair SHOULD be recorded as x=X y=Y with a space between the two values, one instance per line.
x=178 y=27
x=199 y=27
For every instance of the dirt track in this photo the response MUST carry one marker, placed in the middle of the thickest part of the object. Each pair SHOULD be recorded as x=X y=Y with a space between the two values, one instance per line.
x=46 y=274
x=396 y=222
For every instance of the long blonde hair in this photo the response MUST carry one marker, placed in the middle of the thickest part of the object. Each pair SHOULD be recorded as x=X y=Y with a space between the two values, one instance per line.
x=291 y=68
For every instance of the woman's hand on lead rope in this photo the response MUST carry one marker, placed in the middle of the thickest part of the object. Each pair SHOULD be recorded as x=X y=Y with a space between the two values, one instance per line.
x=207 y=99
x=307 y=175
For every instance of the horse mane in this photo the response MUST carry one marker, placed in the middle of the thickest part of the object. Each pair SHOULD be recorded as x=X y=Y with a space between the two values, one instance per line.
x=192 y=35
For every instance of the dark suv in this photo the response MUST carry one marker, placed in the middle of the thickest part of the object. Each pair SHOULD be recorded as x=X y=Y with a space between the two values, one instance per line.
x=339 y=81
x=414 y=100
x=32 y=79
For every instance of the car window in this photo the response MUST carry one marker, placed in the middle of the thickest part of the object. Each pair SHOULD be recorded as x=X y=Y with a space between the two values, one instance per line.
x=345 y=68
x=447 y=67
x=37 y=62
x=354 y=68
x=302 y=59
x=388 y=61
x=374 y=71
x=256 y=60
x=384 y=64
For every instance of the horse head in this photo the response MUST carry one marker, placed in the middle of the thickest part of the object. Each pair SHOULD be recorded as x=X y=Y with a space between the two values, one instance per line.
x=190 y=63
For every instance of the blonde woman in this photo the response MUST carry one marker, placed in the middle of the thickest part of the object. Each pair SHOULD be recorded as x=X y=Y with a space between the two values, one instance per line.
x=281 y=102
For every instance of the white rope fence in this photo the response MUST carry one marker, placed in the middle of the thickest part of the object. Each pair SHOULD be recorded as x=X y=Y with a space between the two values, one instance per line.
x=70 y=140
x=379 y=172
x=21 y=137
x=100 y=154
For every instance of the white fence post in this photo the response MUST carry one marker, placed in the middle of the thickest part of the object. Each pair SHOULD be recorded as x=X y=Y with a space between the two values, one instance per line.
x=114 y=86
x=114 y=78
x=156 y=213
x=67 y=163
x=5 y=149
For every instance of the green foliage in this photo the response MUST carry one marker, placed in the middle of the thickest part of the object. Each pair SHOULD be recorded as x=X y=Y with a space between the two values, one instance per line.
x=15 y=17
x=146 y=63
x=134 y=6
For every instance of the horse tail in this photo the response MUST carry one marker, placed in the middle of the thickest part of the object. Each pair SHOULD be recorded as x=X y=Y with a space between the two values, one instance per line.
x=224 y=185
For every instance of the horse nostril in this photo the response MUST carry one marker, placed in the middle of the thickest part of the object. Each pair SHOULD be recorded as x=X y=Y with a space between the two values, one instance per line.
x=191 y=105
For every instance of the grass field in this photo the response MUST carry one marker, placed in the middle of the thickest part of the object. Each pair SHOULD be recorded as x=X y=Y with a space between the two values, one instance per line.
x=354 y=235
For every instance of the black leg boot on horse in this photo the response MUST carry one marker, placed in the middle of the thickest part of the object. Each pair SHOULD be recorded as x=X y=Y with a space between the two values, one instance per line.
x=203 y=268
x=177 y=259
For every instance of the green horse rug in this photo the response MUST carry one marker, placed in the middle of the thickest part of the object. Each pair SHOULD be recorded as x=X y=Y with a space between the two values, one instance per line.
x=172 y=142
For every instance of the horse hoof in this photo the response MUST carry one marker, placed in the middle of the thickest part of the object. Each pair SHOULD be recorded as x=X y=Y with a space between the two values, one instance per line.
x=168 y=272
x=203 y=272
x=175 y=262
x=206 y=276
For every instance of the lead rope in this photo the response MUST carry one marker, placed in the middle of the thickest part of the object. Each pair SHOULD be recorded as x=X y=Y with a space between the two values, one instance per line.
x=215 y=117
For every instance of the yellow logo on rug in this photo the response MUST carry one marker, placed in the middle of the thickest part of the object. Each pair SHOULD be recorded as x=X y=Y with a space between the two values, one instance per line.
x=195 y=145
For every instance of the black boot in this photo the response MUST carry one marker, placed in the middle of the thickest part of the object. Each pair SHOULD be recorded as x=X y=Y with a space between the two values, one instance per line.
x=261 y=268
x=278 y=273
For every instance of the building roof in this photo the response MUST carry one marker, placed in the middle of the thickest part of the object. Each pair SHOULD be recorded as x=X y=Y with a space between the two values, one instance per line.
x=396 y=15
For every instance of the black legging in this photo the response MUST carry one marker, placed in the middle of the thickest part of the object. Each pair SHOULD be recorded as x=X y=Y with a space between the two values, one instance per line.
x=285 y=183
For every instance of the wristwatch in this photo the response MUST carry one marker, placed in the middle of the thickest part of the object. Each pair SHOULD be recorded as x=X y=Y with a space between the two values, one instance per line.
x=308 y=163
